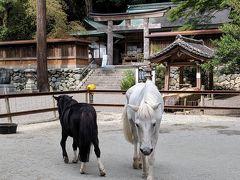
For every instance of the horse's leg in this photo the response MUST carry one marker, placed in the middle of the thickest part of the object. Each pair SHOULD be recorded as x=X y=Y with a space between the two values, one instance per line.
x=145 y=168
x=83 y=168
x=136 y=157
x=102 y=171
x=151 y=160
x=75 y=156
x=63 y=145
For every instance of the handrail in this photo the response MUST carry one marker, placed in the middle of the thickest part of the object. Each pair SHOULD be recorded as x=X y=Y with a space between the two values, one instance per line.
x=87 y=67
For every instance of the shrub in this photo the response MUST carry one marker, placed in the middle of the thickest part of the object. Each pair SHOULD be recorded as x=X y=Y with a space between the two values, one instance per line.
x=160 y=75
x=128 y=80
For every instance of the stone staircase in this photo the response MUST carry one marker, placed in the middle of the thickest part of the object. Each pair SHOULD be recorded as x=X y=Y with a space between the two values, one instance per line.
x=106 y=78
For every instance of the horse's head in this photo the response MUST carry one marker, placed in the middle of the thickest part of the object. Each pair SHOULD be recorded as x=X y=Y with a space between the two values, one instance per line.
x=62 y=102
x=147 y=122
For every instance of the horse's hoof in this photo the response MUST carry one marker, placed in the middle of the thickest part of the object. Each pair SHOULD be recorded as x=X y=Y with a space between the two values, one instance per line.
x=135 y=165
x=82 y=171
x=140 y=165
x=144 y=175
x=74 y=161
x=102 y=172
x=66 y=160
x=150 y=178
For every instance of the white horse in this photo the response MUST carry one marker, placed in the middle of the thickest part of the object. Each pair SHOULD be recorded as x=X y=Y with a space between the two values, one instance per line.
x=141 y=122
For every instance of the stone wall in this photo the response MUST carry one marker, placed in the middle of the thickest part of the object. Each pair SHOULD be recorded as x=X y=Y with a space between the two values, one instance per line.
x=221 y=82
x=227 y=82
x=174 y=78
x=59 y=79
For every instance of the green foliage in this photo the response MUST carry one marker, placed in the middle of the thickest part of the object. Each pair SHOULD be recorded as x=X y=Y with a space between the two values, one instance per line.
x=14 y=23
x=227 y=51
x=56 y=17
x=160 y=75
x=128 y=80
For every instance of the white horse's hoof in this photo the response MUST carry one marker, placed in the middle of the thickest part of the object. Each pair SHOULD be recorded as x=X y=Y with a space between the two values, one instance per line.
x=150 y=178
x=102 y=172
x=144 y=175
x=137 y=164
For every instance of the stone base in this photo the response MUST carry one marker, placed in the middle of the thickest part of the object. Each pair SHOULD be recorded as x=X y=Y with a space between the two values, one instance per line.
x=7 y=88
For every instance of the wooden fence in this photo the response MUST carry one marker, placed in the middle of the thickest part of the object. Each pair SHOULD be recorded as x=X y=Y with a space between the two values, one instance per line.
x=89 y=98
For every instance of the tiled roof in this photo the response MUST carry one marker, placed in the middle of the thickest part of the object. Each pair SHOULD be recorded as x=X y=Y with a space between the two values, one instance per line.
x=217 y=17
x=192 y=45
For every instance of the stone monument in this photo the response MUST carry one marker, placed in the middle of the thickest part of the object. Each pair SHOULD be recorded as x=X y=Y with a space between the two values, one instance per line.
x=30 y=85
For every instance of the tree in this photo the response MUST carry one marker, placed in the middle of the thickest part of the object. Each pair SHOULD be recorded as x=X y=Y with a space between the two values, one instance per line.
x=14 y=22
x=227 y=52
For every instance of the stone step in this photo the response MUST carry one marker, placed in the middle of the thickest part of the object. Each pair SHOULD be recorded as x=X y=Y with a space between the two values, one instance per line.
x=105 y=79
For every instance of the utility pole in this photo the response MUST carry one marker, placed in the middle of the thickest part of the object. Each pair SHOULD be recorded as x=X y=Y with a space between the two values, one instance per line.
x=42 y=70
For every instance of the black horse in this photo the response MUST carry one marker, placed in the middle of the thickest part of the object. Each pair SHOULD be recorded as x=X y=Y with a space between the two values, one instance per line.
x=79 y=120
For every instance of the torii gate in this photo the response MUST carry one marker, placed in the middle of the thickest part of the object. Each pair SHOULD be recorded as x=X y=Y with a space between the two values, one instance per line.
x=127 y=17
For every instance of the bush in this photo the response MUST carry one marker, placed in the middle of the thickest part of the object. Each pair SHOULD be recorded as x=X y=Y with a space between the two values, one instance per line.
x=128 y=80
x=160 y=75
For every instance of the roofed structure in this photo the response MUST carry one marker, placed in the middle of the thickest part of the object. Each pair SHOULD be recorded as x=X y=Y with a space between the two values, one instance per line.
x=188 y=48
x=183 y=52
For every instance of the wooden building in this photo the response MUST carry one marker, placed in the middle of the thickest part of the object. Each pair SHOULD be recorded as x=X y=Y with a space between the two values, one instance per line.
x=139 y=33
x=60 y=53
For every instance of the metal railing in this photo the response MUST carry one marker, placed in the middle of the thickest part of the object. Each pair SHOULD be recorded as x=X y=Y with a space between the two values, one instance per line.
x=89 y=98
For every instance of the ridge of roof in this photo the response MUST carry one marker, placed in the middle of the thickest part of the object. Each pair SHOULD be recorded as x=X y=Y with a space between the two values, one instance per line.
x=189 y=44
x=191 y=40
x=147 y=7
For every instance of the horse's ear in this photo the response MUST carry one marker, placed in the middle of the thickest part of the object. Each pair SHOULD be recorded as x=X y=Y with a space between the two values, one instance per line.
x=155 y=106
x=133 y=107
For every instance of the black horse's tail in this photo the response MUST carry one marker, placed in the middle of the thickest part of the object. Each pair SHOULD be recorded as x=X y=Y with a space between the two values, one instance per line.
x=87 y=130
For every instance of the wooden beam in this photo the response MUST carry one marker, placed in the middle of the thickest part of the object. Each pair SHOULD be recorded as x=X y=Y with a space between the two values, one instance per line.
x=129 y=27
x=198 y=76
x=124 y=16
x=185 y=33
x=146 y=40
x=167 y=75
x=42 y=70
x=110 y=42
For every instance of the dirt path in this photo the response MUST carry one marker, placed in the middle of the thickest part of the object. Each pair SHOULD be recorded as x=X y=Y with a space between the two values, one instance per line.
x=189 y=147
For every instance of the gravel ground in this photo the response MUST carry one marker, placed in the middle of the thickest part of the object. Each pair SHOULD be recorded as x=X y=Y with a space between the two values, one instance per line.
x=190 y=147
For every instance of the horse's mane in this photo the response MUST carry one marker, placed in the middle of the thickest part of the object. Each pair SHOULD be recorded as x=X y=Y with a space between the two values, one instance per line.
x=151 y=97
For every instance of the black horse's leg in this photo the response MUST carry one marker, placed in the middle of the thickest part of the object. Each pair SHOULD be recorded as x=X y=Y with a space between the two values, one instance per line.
x=74 y=146
x=63 y=145
x=97 y=152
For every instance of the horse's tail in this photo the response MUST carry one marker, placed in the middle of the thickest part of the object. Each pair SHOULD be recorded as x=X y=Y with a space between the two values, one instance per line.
x=126 y=126
x=88 y=131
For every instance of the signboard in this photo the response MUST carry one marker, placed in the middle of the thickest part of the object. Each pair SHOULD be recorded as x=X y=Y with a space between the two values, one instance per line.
x=104 y=60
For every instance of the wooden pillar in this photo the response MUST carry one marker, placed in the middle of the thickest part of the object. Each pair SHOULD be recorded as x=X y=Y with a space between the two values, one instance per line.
x=181 y=68
x=146 y=40
x=110 y=42
x=42 y=70
x=198 y=77
x=210 y=77
x=167 y=75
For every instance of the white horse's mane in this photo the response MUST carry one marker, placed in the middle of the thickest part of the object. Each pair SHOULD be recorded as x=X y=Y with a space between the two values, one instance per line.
x=151 y=97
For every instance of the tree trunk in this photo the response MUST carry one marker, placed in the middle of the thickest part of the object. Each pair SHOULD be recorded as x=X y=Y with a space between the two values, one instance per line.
x=42 y=71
